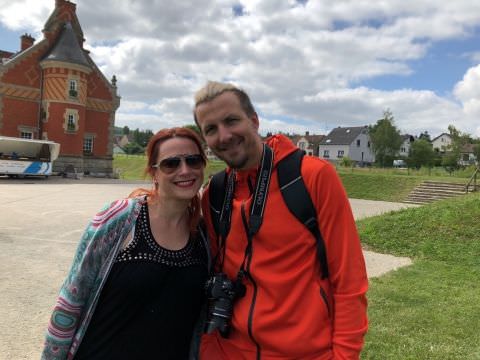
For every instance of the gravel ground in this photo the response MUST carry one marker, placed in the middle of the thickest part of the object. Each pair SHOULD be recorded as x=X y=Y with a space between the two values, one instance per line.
x=40 y=224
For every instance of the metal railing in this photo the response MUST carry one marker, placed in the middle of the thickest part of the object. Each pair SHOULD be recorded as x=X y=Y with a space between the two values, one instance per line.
x=473 y=181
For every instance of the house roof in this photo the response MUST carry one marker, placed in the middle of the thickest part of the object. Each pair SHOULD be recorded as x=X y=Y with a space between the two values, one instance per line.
x=310 y=138
x=468 y=148
x=342 y=135
x=6 y=54
x=440 y=136
x=407 y=137
x=67 y=49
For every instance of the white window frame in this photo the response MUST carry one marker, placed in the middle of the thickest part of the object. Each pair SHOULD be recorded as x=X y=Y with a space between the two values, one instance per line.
x=71 y=119
x=71 y=123
x=73 y=88
x=340 y=154
x=88 y=149
x=326 y=154
x=26 y=134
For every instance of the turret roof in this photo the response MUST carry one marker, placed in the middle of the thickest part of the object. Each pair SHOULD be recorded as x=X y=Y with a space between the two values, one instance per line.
x=67 y=48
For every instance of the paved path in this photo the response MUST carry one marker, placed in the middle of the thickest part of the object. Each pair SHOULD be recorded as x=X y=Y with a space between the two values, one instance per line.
x=40 y=224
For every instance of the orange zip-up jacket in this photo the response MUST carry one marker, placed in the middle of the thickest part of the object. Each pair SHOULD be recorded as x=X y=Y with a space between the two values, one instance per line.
x=294 y=314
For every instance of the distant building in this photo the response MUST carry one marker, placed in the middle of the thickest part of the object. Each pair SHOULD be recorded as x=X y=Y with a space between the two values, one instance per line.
x=351 y=142
x=209 y=153
x=121 y=140
x=442 y=143
x=406 y=145
x=467 y=155
x=308 y=143
x=53 y=90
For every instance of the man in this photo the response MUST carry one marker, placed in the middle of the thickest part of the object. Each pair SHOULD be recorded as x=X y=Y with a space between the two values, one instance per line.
x=289 y=310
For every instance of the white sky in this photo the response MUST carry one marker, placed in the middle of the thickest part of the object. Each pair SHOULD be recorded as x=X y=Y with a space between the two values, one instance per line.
x=308 y=65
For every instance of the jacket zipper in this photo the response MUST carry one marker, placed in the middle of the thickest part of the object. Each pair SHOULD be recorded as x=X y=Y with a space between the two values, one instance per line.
x=252 y=308
x=325 y=300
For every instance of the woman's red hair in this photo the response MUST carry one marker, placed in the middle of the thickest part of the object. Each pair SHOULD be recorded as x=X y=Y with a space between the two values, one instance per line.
x=152 y=152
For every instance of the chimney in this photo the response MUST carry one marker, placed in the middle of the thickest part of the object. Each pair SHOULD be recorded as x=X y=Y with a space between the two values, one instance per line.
x=71 y=7
x=26 y=40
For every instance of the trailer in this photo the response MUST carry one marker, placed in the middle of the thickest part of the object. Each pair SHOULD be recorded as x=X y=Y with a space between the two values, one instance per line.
x=27 y=157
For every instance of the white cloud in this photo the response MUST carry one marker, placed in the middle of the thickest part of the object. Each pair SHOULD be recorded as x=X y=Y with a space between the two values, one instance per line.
x=468 y=92
x=300 y=62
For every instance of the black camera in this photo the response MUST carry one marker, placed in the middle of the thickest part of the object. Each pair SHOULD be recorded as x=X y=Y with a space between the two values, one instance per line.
x=221 y=293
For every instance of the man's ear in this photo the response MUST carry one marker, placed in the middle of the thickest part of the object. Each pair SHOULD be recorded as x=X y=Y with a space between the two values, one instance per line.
x=255 y=121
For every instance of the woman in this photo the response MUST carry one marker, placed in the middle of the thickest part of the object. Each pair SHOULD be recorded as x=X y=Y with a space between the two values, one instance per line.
x=136 y=284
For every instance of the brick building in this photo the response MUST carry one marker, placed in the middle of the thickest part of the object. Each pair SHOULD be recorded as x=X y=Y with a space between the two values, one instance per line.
x=53 y=90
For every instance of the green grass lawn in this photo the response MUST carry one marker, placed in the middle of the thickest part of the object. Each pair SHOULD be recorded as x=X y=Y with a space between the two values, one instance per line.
x=429 y=310
x=378 y=186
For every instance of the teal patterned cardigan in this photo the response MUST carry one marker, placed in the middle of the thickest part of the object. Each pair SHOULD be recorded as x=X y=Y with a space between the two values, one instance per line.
x=93 y=260
x=96 y=252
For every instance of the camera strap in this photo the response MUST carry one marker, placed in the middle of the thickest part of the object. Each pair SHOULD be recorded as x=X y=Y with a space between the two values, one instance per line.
x=257 y=207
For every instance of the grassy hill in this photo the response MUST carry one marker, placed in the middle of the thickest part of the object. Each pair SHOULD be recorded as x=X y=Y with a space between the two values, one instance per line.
x=430 y=309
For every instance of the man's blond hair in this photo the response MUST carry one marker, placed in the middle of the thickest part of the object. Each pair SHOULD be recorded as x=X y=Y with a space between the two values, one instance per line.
x=212 y=89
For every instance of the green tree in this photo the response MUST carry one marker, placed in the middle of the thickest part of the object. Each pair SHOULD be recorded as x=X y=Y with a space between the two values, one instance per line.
x=194 y=127
x=421 y=154
x=476 y=152
x=386 y=139
x=450 y=162
x=425 y=136
x=346 y=162
x=452 y=155
x=133 y=148
x=142 y=137
x=126 y=130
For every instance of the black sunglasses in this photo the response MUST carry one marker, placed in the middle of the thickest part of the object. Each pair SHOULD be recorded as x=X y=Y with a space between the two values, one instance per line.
x=169 y=165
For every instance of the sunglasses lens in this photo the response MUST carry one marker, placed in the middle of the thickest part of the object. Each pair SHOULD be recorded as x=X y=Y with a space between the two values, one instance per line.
x=194 y=161
x=170 y=164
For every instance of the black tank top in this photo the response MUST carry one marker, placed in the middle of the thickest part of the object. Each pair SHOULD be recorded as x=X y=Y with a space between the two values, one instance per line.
x=150 y=301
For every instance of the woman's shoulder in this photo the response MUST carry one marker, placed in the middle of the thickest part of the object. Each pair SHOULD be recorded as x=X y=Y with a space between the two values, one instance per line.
x=117 y=209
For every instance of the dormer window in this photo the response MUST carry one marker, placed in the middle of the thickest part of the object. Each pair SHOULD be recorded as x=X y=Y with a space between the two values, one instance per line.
x=73 y=89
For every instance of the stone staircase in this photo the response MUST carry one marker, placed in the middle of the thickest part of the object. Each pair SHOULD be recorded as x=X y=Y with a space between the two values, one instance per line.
x=429 y=191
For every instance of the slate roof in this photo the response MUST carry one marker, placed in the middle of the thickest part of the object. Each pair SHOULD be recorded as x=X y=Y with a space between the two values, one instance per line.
x=67 y=48
x=312 y=139
x=440 y=136
x=342 y=135
x=6 y=54
x=467 y=148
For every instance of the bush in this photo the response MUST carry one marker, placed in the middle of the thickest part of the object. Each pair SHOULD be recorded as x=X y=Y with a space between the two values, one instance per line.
x=346 y=162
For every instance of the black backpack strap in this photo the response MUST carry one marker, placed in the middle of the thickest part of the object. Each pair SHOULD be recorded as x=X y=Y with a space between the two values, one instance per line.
x=217 y=189
x=299 y=202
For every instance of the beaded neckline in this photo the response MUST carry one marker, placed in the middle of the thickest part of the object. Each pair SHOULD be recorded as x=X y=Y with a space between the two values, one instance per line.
x=144 y=247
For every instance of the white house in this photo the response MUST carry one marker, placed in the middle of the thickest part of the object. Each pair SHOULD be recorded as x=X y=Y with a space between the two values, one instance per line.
x=442 y=143
x=308 y=143
x=351 y=142
x=406 y=145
